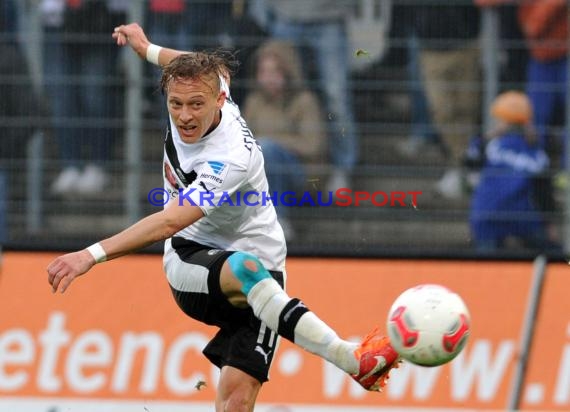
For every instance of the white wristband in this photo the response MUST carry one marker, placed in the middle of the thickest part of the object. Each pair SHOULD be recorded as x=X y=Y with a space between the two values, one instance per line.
x=97 y=252
x=152 y=53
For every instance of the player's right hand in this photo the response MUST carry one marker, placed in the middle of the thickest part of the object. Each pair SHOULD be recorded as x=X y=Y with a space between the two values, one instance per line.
x=64 y=269
x=133 y=35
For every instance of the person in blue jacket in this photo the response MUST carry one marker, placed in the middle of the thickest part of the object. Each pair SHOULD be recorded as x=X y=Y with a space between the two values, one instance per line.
x=513 y=166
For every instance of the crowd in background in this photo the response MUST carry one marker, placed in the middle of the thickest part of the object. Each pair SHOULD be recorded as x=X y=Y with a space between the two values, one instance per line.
x=295 y=89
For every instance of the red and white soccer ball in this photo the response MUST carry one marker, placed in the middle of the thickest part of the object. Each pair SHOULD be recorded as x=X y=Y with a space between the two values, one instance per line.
x=428 y=325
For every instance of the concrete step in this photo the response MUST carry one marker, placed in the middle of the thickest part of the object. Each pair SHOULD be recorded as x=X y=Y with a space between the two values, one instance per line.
x=382 y=146
x=380 y=236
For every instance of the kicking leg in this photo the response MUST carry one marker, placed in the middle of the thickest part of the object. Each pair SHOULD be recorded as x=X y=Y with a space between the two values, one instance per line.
x=245 y=281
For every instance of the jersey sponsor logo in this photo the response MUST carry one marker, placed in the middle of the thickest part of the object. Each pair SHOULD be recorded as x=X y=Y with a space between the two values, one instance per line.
x=217 y=167
x=213 y=176
x=212 y=252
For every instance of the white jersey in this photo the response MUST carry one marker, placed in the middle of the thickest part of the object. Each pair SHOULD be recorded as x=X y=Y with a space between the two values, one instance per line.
x=216 y=174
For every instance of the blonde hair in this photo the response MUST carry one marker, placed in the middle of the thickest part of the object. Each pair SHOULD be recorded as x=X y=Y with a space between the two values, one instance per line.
x=197 y=65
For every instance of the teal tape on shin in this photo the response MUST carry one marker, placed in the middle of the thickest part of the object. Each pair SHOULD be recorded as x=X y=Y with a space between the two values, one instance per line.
x=239 y=262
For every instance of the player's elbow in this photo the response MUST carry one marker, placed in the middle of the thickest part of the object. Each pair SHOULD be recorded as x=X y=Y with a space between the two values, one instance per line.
x=174 y=220
x=170 y=228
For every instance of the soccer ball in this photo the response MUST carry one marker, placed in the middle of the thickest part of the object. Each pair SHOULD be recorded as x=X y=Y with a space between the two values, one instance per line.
x=428 y=325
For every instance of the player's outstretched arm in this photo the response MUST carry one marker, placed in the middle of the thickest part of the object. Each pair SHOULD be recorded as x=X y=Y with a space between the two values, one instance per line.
x=156 y=227
x=133 y=35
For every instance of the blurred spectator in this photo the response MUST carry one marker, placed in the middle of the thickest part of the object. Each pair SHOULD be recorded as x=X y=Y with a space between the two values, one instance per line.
x=226 y=24
x=203 y=25
x=505 y=203
x=169 y=24
x=513 y=53
x=320 y=27
x=545 y=26
x=286 y=119
x=515 y=58
x=211 y=22
x=449 y=60
x=423 y=133
x=19 y=103
x=9 y=66
x=20 y=108
x=79 y=63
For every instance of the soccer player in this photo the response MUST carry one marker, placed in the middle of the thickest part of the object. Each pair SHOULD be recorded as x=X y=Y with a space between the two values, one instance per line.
x=225 y=264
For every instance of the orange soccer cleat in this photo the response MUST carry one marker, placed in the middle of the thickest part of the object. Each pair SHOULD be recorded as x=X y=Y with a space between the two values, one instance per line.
x=376 y=357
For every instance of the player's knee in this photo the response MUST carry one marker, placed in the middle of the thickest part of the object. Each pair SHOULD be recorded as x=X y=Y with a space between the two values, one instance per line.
x=236 y=391
x=248 y=269
x=239 y=401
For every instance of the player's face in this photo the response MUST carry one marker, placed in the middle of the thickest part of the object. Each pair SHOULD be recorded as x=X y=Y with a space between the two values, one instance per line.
x=194 y=105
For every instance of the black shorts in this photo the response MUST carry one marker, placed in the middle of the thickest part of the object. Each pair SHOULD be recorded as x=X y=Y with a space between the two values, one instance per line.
x=243 y=341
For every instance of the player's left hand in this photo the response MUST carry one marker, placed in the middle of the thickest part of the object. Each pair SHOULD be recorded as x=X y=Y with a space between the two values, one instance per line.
x=64 y=269
x=133 y=35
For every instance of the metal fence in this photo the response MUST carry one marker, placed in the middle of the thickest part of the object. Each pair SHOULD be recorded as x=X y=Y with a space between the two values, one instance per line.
x=415 y=94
